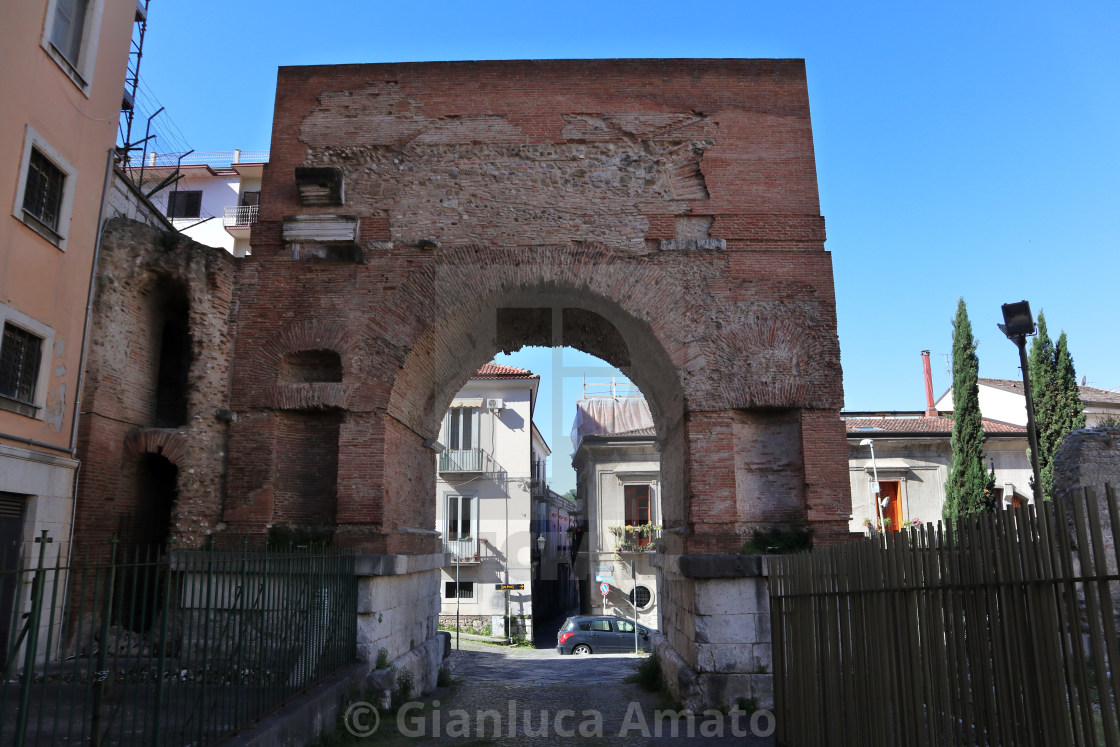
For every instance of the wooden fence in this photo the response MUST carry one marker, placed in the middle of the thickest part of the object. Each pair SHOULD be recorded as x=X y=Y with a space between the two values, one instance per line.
x=999 y=631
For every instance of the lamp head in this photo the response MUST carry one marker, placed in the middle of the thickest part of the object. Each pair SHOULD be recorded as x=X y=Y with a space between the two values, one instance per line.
x=866 y=442
x=1017 y=319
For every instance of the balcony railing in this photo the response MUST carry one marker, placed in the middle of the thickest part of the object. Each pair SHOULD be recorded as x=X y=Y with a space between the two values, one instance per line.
x=468 y=460
x=241 y=216
x=212 y=158
x=465 y=550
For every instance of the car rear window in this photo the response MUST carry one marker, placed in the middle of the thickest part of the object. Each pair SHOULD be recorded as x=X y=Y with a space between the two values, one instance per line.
x=568 y=625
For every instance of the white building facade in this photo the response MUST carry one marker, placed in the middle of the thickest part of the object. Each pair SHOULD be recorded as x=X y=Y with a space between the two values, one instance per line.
x=216 y=199
x=484 y=507
x=912 y=453
x=618 y=478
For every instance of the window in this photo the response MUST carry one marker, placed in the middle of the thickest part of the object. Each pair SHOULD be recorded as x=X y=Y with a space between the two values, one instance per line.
x=637 y=505
x=603 y=626
x=461 y=590
x=644 y=597
x=460 y=517
x=20 y=355
x=70 y=37
x=68 y=28
x=250 y=199
x=25 y=349
x=45 y=190
x=42 y=193
x=184 y=204
x=462 y=428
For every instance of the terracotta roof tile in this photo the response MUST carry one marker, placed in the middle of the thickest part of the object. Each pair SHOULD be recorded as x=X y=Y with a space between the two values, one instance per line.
x=1006 y=385
x=1088 y=393
x=930 y=425
x=498 y=371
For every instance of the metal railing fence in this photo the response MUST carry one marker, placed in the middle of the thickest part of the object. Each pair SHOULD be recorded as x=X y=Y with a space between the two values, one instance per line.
x=240 y=215
x=999 y=631
x=465 y=550
x=468 y=460
x=143 y=646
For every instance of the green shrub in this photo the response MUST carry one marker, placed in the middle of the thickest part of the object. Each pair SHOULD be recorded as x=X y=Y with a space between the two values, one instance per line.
x=382 y=658
x=443 y=677
x=402 y=692
x=648 y=675
x=778 y=541
x=748 y=705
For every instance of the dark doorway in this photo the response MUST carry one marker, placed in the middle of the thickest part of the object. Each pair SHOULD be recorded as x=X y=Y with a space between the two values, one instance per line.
x=174 y=363
x=11 y=531
x=143 y=534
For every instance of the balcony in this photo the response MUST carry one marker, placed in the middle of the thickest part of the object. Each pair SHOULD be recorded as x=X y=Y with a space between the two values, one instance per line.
x=538 y=480
x=240 y=218
x=636 y=538
x=468 y=461
x=464 y=551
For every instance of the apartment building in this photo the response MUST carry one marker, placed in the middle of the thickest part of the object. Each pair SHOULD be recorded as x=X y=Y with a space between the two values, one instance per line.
x=216 y=197
x=63 y=89
x=484 y=500
x=618 y=478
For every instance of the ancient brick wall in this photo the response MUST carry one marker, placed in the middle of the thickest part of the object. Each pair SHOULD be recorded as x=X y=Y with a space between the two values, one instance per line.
x=661 y=214
x=1090 y=458
x=146 y=278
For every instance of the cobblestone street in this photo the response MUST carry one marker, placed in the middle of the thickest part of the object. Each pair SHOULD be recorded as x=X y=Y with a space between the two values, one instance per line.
x=538 y=697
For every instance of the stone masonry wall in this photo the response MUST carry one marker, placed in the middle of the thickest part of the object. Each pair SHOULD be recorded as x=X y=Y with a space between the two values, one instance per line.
x=1091 y=458
x=666 y=209
x=118 y=425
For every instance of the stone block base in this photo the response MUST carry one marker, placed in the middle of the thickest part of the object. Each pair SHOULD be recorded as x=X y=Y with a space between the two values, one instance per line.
x=715 y=647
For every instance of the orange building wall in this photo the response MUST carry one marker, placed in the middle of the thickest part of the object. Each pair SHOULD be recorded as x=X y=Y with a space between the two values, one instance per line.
x=37 y=278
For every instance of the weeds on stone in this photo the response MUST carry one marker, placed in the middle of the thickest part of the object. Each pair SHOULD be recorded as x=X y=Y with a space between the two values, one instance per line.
x=648 y=675
x=402 y=691
x=382 y=658
x=747 y=705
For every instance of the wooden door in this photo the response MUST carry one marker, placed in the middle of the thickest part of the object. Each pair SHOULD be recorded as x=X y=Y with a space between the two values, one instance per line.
x=893 y=509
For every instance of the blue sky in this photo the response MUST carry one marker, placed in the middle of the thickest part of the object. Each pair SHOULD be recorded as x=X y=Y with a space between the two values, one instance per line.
x=964 y=149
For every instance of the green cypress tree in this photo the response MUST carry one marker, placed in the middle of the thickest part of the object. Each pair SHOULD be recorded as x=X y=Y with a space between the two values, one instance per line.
x=1041 y=366
x=1058 y=408
x=969 y=489
x=1067 y=411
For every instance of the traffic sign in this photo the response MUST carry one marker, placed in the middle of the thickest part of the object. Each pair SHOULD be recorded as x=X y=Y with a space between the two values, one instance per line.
x=510 y=587
x=604 y=573
x=604 y=588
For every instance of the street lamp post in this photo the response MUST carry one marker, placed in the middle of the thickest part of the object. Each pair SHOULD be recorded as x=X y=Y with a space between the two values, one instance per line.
x=1017 y=325
x=540 y=603
x=875 y=476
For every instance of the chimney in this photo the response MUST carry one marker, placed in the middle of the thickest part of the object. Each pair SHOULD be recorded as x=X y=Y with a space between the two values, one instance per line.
x=931 y=411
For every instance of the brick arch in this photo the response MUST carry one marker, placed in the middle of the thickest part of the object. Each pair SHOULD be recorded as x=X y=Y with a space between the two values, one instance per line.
x=297 y=337
x=172 y=445
x=629 y=311
x=262 y=371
